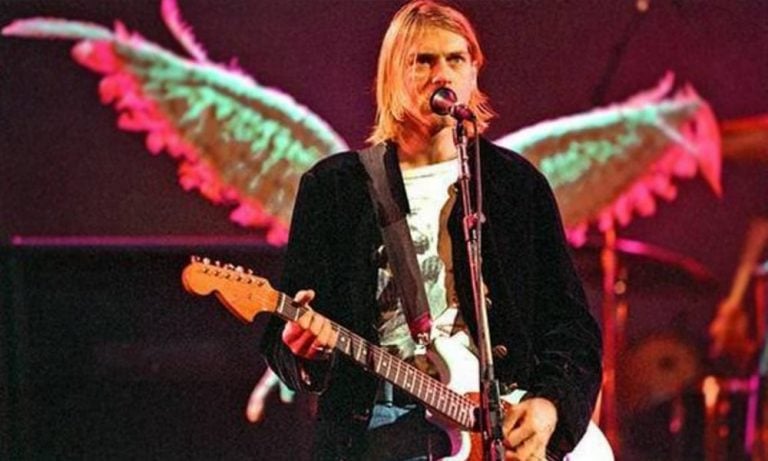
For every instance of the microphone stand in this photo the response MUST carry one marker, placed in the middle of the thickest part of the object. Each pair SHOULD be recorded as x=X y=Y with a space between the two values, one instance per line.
x=490 y=397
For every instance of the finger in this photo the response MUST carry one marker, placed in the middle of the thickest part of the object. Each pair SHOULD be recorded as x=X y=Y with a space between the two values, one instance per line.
x=530 y=449
x=305 y=320
x=291 y=332
x=541 y=453
x=534 y=450
x=306 y=344
x=318 y=323
x=302 y=345
x=296 y=337
x=304 y=297
x=525 y=451
x=327 y=335
x=512 y=418
x=518 y=436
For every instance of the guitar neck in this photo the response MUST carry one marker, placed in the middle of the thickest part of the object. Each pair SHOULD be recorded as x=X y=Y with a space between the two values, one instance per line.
x=381 y=363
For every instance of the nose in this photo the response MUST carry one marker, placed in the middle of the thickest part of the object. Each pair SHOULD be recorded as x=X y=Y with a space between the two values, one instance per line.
x=440 y=73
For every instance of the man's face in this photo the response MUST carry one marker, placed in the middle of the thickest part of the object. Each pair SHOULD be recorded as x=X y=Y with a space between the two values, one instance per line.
x=438 y=58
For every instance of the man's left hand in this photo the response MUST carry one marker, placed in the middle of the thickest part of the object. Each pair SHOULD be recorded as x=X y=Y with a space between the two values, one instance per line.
x=527 y=428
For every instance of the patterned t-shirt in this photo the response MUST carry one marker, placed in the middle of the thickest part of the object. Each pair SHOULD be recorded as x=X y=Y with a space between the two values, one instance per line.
x=431 y=194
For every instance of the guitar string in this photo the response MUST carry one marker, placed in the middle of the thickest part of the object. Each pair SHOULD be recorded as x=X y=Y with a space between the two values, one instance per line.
x=461 y=401
x=463 y=407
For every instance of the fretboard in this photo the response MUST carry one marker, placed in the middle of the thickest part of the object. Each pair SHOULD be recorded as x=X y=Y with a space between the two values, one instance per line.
x=433 y=393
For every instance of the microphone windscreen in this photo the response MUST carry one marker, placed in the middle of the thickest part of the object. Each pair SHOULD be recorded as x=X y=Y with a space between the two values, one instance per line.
x=442 y=100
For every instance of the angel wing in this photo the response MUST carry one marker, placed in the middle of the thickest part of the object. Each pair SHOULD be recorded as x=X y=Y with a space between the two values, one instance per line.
x=244 y=144
x=237 y=141
x=611 y=163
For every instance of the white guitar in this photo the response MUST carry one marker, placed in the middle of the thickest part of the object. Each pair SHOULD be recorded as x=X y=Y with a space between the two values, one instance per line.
x=452 y=401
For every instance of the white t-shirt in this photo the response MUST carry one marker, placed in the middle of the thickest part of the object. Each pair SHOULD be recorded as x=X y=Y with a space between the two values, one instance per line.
x=431 y=194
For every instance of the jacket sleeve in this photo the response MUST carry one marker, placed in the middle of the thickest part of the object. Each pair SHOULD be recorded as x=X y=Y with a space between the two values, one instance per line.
x=567 y=341
x=305 y=267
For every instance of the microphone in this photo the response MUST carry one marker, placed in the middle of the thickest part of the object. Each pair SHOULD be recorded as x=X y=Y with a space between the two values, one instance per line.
x=443 y=102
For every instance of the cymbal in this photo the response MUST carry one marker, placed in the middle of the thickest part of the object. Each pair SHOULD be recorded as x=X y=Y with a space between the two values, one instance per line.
x=745 y=138
x=645 y=267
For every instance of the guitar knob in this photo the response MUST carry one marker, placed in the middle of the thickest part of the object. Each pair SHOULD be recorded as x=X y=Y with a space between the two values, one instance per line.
x=500 y=351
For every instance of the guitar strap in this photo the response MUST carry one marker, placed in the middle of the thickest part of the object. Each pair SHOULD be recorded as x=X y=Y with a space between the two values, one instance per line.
x=391 y=206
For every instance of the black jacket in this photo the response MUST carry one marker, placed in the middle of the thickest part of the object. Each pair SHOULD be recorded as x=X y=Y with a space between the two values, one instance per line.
x=539 y=311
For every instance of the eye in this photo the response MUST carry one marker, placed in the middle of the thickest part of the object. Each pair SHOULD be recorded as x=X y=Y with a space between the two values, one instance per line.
x=423 y=60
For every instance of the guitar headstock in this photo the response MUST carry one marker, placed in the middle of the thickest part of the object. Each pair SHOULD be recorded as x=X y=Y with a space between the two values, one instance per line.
x=243 y=293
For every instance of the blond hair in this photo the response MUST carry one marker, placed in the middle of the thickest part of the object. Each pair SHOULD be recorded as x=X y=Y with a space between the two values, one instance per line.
x=392 y=104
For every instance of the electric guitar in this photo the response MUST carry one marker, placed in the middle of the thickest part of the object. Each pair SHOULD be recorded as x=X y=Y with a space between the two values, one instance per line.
x=452 y=401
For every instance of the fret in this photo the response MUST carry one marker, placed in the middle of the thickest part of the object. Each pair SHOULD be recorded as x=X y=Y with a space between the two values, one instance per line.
x=397 y=372
x=452 y=410
x=408 y=379
x=462 y=414
x=441 y=403
x=286 y=308
x=432 y=392
x=360 y=352
x=412 y=380
x=341 y=343
x=469 y=415
x=445 y=405
x=388 y=361
x=352 y=345
x=419 y=386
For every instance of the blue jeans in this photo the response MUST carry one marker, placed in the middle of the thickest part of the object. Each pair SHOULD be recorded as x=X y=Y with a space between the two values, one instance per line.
x=403 y=434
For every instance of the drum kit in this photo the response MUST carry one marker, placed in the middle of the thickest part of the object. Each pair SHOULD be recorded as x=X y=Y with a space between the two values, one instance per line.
x=662 y=397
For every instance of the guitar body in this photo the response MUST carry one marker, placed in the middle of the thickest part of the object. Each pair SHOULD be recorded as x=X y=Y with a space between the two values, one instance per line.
x=459 y=370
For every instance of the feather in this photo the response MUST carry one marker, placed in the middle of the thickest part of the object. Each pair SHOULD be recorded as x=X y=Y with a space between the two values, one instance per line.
x=181 y=30
x=608 y=164
x=55 y=28
x=238 y=142
x=245 y=145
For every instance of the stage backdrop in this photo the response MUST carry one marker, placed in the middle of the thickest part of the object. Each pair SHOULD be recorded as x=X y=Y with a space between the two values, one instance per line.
x=66 y=170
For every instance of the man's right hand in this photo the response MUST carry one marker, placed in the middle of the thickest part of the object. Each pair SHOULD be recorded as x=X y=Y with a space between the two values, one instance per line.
x=729 y=331
x=311 y=336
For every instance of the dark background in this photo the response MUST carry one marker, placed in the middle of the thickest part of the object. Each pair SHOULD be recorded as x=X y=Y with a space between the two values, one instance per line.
x=106 y=357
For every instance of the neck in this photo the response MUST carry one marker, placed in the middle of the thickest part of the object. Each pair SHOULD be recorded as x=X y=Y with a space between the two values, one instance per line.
x=415 y=150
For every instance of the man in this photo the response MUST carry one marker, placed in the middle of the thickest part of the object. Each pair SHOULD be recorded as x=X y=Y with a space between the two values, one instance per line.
x=544 y=339
x=729 y=329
